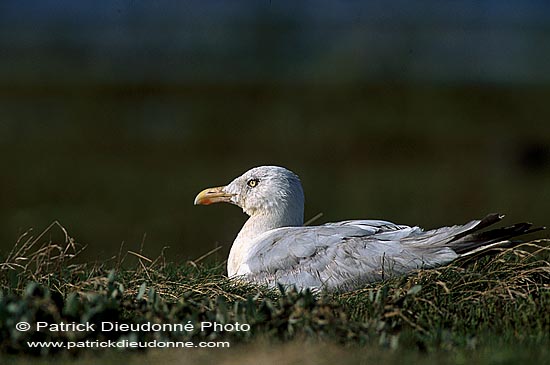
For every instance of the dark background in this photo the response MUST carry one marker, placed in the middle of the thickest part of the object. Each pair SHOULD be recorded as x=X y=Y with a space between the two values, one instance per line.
x=115 y=114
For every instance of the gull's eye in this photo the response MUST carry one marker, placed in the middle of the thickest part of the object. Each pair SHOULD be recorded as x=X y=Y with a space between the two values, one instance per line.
x=252 y=183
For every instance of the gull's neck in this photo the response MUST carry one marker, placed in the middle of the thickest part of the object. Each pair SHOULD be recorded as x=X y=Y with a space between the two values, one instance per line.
x=255 y=226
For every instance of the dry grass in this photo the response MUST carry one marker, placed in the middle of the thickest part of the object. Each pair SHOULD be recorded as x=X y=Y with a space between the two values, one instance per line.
x=503 y=299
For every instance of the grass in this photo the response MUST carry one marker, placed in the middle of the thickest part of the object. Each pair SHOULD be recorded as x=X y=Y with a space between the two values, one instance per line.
x=487 y=310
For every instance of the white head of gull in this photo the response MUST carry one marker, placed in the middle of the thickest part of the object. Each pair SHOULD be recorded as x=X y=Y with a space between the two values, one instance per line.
x=274 y=247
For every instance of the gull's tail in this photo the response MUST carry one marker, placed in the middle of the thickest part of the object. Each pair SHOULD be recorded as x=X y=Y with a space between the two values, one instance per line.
x=474 y=240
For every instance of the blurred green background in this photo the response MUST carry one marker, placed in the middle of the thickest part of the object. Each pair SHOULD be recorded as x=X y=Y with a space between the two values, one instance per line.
x=114 y=115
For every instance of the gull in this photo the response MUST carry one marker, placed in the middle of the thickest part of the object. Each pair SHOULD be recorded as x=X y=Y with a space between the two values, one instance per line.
x=275 y=248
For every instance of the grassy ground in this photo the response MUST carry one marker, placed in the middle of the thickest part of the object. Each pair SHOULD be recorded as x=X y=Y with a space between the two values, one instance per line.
x=488 y=310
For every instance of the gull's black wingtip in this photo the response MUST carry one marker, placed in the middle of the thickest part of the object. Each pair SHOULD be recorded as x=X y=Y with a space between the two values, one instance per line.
x=536 y=229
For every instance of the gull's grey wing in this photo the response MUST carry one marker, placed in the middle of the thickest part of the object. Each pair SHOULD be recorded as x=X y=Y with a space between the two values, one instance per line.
x=347 y=254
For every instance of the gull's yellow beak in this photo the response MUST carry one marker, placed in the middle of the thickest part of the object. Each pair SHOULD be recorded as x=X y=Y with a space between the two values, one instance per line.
x=213 y=195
